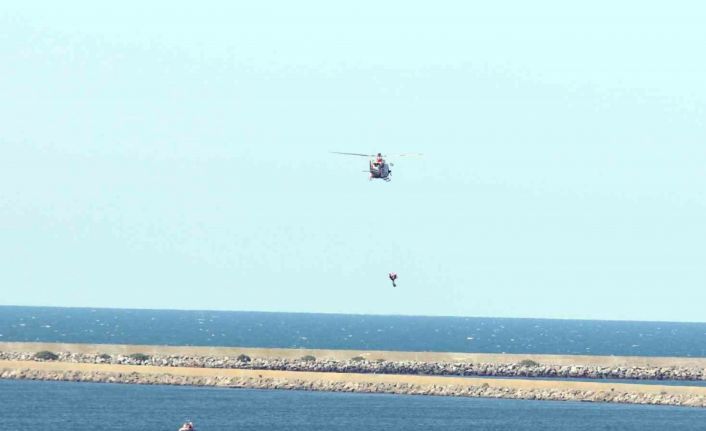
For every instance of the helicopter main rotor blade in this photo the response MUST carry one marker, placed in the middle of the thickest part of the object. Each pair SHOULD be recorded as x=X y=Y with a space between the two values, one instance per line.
x=405 y=155
x=352 y=154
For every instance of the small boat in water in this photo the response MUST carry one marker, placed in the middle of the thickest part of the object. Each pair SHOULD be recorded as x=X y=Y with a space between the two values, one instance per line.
x=188 y=426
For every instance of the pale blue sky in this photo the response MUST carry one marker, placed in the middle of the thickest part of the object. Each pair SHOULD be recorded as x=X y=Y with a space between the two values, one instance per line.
x=166 y=156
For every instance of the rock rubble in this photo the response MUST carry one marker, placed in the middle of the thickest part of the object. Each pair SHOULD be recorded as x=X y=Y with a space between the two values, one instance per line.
x=483 y=390
x=387 y=367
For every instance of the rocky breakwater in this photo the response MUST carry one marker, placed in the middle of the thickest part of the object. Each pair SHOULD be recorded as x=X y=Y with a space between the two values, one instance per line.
x=523 y=369
x=264 y=382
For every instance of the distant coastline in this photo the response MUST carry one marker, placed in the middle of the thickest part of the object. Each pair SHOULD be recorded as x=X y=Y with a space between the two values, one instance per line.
x=449 y=374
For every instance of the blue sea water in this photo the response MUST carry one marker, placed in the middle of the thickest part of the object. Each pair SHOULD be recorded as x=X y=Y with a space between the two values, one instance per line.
x=357 y=332
x=36 y=405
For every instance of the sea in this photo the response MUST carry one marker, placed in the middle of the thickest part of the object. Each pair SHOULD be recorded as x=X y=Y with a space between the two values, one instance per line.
x=351 y=331
x=37 y=405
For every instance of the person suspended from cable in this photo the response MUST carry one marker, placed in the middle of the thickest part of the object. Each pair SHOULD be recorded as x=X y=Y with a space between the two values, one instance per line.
x=393 y=278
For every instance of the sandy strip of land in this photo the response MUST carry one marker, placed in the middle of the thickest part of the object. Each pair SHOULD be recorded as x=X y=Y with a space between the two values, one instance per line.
x=489 y=358
x=515 y=384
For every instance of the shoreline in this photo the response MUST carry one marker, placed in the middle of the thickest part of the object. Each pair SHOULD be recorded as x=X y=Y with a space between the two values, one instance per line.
x=530 y=389
x=206 y=366
x=332 y=354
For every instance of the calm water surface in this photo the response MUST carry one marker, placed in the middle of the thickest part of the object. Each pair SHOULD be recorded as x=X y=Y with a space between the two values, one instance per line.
x=34 y=405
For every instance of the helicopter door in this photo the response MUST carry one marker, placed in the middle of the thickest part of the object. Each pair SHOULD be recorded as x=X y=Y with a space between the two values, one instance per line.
x=375 y=170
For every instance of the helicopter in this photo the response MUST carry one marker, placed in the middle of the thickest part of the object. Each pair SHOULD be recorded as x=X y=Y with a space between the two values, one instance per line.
x=378 y=167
